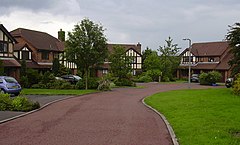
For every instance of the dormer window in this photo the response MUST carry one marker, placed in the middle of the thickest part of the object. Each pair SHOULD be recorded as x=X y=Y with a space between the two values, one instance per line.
x=3 y=47
x=211 y=59
x=25 y=54
x=45 y=55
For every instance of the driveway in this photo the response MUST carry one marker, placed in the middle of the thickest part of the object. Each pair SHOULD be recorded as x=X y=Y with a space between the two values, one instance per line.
x=117 y=117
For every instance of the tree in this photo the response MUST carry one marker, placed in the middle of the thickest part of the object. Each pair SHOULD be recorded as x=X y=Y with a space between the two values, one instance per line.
x=169 y=59
x=23 y=69
x=152 y=65
x=233 y=37
x=86 y=46
x=145 y=55
x=56 y=66
x=120 y=63
x=1 y=68
x=121 y=67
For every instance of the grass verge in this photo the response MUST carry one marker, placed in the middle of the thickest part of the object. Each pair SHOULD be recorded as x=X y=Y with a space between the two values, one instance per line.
x=201 y=117
x=55 y=92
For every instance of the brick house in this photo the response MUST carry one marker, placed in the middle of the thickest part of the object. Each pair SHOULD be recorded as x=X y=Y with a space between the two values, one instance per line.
x=37 y=48
x=10 y=64
x=130 y=50
x=206 y=57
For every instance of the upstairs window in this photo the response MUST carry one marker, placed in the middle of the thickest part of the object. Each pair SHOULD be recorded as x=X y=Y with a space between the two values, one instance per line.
x=3 y=47
x=25 y=55
x=211 y=59
x=45 y=55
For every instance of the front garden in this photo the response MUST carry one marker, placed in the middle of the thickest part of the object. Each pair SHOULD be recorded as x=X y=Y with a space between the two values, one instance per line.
x=209 y=117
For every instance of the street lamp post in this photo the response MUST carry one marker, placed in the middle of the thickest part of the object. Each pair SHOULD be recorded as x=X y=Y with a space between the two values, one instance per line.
x=189 y=61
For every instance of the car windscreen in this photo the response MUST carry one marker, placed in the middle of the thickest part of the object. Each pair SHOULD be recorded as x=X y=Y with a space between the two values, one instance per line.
x=10 y=80
x=77 y=77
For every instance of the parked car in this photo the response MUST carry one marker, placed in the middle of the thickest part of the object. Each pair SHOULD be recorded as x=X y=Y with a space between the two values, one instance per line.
x=9 y=85
x=195 y=78
x=229 y=82
x=73 y=79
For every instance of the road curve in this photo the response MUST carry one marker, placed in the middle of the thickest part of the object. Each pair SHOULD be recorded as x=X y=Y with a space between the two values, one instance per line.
x=117 y=117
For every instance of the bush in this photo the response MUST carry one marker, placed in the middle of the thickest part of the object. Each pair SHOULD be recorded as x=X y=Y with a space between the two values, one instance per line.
x=236 y=85
x=210 y=78
x=144 y=79
x=203 y=79
x=213 y=77
x=165 y=79
x=154 y=74
x=33 y=77
x=24 y=82
x=5 y=102
x=16 y=104
x=92 y=83
x=124 y=82
x=104 y=85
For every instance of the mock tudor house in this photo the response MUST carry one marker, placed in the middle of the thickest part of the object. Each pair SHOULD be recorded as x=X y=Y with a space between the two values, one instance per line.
x=37 y=48
x=131 y=50
x=10 y=64
x=206 y=57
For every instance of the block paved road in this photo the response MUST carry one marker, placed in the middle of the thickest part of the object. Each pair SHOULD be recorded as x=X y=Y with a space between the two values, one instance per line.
x=117 y=117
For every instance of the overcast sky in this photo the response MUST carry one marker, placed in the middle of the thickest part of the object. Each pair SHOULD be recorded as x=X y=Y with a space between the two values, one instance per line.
x=149 y=22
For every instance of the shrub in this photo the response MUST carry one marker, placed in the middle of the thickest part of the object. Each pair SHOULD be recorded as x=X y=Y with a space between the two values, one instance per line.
x=104 y=85
x=16 y=104
x=24 y=82
x=165 y=79
x=48 y=78
x=92 y=83
x=66 y=85
x=210 y=78
x=202 y=79
x=154 y=74
x=236 y=85
x=213 y=77
x=124 y=82
x=33 y=77
x=145 y=79
x=5 y=102
x=23 y=104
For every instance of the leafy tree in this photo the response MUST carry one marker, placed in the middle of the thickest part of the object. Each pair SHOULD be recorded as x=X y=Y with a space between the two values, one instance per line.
x=56 y=66
x=152 y=65
x=120 y=63
x=1 y=68
x=23 y=69
x=145 y=54
x=169 y=59
x=86 y=46
x=233 y=37
x=121 y=67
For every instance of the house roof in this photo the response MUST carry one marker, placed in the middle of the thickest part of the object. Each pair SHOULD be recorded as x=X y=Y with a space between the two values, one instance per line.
x=40 y=40
x=7 y=33
x=126 y=47
x=32 y=64
x=209 y=48
x=10 y=62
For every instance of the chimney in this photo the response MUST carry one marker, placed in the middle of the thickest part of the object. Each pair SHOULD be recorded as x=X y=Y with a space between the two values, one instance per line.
x=139 y=47
x=61 y=35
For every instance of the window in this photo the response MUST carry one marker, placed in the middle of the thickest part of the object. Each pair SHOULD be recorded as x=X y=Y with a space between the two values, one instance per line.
x=211 y=59
x=45 y=55
x=3 y=47
x=25 y=55
x=105 y=71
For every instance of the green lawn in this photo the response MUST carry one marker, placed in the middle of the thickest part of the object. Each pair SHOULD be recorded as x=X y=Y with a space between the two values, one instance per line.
x=201 y=117
x=55 y=92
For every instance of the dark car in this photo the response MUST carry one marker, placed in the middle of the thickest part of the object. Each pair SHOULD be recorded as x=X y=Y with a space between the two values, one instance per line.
x=9 y=85
x=195 y=78
x=229 y=82
x=73 y=79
